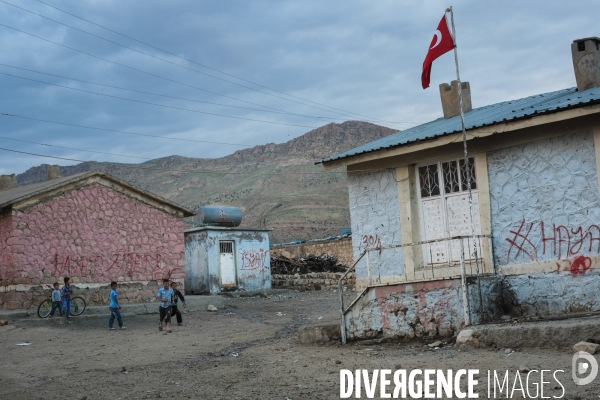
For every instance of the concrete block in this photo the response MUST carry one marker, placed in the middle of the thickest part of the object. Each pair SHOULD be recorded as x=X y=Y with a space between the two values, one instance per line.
x=467 y=336
x=317 y=334
x=588 y=347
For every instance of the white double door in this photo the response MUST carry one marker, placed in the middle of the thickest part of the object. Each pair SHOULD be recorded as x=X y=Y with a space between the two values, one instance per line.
x=446 y=212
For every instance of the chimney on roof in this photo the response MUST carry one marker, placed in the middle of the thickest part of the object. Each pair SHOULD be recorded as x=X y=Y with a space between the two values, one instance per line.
x=450 y=101
x=53 y=172
x=8 y=181
x=586 y=62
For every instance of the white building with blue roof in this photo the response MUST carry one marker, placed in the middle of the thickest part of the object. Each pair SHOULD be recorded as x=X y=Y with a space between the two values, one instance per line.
x=425 y=267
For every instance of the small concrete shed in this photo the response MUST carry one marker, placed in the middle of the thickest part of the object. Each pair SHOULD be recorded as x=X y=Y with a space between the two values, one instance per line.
x=223 y=259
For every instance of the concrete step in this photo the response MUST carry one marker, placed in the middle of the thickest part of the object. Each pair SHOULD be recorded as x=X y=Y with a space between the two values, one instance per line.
x=552 y=334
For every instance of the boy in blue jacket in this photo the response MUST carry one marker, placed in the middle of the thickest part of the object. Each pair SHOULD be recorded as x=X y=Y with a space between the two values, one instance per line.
x=115 y=308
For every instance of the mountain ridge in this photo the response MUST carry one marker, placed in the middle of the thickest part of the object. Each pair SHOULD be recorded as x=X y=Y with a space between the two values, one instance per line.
x=275 y=185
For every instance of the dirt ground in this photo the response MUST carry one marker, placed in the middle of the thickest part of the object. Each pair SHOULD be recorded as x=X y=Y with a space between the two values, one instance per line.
x=244 y=351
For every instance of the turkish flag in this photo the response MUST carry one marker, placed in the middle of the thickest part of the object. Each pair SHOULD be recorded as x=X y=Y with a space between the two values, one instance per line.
x=441 y=43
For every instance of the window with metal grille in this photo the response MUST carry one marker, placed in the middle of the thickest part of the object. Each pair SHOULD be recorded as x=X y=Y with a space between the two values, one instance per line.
x=452 y=175
x=226 y=247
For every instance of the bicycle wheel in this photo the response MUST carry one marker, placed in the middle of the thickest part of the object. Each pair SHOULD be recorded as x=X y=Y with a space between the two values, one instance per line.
x=77 y=306
x=44 y=308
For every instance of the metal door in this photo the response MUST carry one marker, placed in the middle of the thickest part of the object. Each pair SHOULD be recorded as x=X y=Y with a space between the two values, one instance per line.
x=227 y=264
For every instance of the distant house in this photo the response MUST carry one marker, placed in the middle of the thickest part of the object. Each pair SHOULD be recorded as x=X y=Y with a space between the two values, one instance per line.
x=221 y=256
x=92 y=227
x=536 y=212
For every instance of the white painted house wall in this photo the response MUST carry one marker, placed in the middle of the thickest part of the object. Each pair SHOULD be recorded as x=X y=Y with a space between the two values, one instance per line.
x=375 y=219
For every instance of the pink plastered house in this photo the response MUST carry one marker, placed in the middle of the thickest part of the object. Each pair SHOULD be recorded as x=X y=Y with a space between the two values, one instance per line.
x=94 y=228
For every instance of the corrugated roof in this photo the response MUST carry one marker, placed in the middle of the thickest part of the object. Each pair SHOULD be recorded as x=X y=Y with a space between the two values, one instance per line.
x=483 y=116
x=20 y=193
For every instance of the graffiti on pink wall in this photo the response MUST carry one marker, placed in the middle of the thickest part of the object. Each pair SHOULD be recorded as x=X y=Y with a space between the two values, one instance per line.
x=93 y=233
x=254 y=260
x=115 y=265
x=556 y=240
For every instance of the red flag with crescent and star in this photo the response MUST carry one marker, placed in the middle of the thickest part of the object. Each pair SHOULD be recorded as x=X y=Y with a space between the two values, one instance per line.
x=441 y=43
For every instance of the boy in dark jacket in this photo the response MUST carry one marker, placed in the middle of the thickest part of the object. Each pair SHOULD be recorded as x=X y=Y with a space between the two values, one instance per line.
x=177 y=296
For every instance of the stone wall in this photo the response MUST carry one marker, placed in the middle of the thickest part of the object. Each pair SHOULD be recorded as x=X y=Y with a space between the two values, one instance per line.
x=341 y=248
x=422 y=309
x=314 y=281
x=6 y=229
x=375 y=218
x=94 y=235
x=545 y=200
x=543 y=295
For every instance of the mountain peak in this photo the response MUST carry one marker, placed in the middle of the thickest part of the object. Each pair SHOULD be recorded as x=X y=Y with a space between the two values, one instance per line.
x=317 y=144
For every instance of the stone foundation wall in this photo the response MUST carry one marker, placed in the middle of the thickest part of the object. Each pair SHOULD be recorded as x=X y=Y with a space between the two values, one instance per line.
x=552 y=294
x=313 y=281
x=22 y=297
x=422 y=309
x=341 y=248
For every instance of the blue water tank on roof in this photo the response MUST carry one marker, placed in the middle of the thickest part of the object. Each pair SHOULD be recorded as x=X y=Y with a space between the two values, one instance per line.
x=220 y=215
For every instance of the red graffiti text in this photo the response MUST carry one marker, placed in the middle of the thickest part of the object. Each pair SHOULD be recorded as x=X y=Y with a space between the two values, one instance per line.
x=255 y=260
x=369 y=241
x=143 y=266
x=557 y=240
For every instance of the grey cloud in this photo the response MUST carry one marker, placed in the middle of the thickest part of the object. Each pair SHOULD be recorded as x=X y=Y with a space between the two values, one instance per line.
x=362 y=56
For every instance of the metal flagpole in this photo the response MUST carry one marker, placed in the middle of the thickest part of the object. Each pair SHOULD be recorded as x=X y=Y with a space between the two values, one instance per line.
x=467 y=165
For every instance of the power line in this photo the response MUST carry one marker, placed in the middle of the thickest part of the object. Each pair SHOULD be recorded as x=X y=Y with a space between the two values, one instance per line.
x=167 y=96
x=170 y=169
x=144 y=72
x=135 y=69
x=161 y=59
x=71 y=148
x=156 y=104
x=206 y=66
x=117 y=131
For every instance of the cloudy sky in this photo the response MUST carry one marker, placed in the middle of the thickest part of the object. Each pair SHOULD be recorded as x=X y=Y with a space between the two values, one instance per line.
x=294 y=65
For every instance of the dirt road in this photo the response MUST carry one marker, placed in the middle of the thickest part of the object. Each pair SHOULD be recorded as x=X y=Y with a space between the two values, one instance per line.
x=244 y=351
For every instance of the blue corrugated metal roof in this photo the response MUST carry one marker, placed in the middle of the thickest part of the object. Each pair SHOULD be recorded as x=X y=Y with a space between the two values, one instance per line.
x=489 y=115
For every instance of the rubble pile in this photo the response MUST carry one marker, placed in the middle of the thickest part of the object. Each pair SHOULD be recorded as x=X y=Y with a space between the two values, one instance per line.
x=303 y=265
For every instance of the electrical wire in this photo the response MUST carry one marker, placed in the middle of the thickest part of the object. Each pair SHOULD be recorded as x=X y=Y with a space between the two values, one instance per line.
x=206 y=66
x=125 y=132
x=71 y=148
x=167 y=61
x=156 y=104
x=170 y=97
x=136 y=69
x=145 y=72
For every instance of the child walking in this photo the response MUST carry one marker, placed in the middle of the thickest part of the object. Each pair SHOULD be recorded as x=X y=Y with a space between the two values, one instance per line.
x=114 y=308
x=56 y=303
x=67 y=297
x=177 y=295
x=165 y=296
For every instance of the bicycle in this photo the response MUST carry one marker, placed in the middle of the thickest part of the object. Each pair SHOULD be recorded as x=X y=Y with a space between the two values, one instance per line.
x=77 y=306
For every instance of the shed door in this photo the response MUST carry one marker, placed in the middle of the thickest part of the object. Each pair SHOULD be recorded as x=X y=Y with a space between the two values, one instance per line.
x=227 y=264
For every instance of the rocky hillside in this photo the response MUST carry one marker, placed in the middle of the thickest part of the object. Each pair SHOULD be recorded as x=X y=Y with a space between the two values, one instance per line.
x=276 y=185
